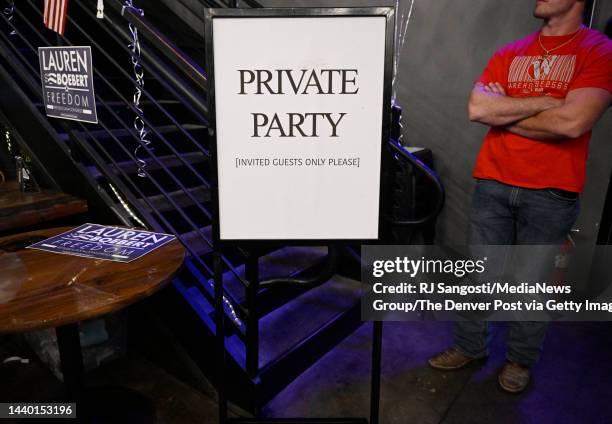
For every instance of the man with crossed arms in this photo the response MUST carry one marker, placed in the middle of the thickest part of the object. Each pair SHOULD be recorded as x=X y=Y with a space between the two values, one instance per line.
x=541 y=96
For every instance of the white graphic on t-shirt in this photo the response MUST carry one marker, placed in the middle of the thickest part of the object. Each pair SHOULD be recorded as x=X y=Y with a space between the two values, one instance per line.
x=539 y=68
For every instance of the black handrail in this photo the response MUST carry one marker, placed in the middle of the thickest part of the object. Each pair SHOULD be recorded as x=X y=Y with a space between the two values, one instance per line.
x=329 y=269
x=197 y=105
x=404 y=154
x=168 y=49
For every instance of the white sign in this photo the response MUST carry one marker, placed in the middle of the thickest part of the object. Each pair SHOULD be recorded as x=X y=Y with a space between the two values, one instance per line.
x=299 y=104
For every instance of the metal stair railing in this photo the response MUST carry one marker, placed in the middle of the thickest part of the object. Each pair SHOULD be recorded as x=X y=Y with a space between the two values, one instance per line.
x=196 y=75
x=402 y=154
x=163 y=44
x=181 y=78
x=102 y=165
x=170 y=51
x=125 y=126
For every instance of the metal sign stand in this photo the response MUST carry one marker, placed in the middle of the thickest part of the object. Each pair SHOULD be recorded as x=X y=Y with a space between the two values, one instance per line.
x=220 y=332
x=375 y=373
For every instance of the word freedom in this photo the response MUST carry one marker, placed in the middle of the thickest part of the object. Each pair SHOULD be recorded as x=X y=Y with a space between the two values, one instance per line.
x=297 y=83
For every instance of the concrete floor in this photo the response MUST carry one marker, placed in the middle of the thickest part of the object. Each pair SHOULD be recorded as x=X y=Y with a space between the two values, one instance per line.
x=571 y=382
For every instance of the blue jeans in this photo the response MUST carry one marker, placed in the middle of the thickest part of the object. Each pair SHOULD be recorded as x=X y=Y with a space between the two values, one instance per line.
x=507 y=215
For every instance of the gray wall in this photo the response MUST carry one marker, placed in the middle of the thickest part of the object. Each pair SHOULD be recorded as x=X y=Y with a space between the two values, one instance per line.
x=600 y=157
x=448 y=43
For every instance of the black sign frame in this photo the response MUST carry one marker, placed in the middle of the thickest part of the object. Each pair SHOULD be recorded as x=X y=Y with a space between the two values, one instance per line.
x=388 y=13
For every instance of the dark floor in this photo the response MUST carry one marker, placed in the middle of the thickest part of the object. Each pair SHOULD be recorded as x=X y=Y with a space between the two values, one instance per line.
x=174 y=401
x=571 y=384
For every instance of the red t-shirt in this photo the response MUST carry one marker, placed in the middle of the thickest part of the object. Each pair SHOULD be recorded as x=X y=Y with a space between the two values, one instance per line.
x=520 y=67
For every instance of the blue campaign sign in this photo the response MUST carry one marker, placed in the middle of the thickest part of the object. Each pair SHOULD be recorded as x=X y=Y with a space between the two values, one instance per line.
x=104 y=242
x=67 y=81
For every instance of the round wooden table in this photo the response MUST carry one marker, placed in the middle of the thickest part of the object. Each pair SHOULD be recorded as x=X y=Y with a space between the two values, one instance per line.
x=40 y=290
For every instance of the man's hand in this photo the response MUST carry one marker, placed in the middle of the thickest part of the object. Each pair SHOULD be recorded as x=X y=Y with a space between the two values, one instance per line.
x=489 y=105
x=494 y=87
x=581 y=110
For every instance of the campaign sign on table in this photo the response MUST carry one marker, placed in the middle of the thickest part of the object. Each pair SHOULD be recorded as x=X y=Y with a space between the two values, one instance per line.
x=104 y=242
x=298 y=104
x=66 y=74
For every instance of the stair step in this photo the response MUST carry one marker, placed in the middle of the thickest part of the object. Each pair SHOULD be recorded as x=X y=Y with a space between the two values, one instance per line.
x=193 y=239
x=103 y=134
x=161 y=203
x=170 y=161
x=286 y=327
x=287 y=261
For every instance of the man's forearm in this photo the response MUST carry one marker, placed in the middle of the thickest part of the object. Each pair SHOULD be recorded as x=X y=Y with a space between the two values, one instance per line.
x=547 y=125
x=498 y=110
x=527 y=129
x=582 y=109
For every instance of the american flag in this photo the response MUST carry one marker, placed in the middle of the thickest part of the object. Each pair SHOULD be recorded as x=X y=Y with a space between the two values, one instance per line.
x=55 y=15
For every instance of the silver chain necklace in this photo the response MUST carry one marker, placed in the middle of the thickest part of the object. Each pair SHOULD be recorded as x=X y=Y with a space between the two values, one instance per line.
x=548 y=51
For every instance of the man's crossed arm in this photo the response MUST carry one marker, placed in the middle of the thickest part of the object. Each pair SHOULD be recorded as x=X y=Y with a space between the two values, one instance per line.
x=541 y=118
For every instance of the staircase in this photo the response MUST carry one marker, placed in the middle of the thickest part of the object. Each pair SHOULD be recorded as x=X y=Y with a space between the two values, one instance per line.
x=285 y=306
